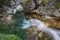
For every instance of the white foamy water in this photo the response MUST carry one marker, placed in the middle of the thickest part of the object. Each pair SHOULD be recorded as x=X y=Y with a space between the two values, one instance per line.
x=40 y=25
x=57 y=31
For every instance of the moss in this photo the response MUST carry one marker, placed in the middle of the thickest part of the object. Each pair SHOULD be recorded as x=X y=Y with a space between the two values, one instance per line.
x=25 y=1
x=44 y=2
x=57 y=5
x=9 y=37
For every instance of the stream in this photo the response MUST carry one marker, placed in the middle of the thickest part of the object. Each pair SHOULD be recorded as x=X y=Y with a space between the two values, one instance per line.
x=40 y=25
x=35 y=22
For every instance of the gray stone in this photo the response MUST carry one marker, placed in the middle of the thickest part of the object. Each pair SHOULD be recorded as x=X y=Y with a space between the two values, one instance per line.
x=38 y=1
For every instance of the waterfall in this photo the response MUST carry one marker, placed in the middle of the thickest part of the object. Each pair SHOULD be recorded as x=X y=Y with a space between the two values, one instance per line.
x=40 y=25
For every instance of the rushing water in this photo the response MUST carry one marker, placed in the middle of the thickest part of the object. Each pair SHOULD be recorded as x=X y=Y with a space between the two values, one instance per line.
x=34 y=22
x=40 y=25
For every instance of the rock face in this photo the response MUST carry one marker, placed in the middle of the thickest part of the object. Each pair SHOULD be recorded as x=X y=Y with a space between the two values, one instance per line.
x=29 y=6
x=42 y=7
x=46 y=8
x=11 y=6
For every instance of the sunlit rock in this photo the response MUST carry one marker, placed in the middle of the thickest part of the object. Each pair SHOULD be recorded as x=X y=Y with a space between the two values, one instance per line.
x=19 y=8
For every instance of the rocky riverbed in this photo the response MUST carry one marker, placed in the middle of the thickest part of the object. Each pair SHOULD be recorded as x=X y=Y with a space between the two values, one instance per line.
x=50 y=22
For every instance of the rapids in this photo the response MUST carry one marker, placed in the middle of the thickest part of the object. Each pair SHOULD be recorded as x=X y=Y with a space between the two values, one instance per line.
x=40 y=25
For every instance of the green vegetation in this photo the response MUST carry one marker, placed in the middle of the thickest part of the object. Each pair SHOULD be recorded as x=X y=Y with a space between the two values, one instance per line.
x=25 y=1
x=9 y=37
x=44 y=2
x=15 y=27
x=57 y=4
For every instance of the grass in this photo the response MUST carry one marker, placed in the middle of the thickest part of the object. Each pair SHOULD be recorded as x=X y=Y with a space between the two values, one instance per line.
x=9 y=37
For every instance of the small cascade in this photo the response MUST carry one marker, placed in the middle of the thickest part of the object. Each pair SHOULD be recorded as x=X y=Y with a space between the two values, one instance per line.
x=40 y=25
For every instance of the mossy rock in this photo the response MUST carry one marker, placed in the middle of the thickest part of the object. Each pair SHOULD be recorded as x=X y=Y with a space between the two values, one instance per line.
x=25 y=1
x=57 y=5
x=44 y=2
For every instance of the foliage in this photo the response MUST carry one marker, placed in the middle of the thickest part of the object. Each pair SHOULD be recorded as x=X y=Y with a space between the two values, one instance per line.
x=44 y=2
x=57 y=4
x=15 y=27
x=9 y=37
